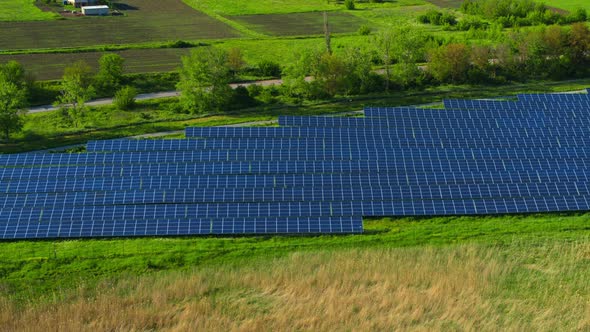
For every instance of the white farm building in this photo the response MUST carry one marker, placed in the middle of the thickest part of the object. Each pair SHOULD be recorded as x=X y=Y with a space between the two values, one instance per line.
x=95 y=10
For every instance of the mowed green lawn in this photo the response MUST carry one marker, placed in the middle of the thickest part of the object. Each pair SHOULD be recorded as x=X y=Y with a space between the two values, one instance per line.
x=146 y=21
x=22 y=10
x=569 y=4
x=249 y=7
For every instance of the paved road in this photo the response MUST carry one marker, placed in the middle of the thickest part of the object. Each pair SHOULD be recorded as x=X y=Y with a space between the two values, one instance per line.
x=146 y=96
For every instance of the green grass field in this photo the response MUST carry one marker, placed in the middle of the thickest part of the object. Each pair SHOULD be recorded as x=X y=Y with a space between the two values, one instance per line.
x=245 y=7
x=569 y=5
x=504 y=272
x=148 y=21
x=22 y=10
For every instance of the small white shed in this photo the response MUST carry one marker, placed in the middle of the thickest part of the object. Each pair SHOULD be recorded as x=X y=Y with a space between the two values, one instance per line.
x=95 y=10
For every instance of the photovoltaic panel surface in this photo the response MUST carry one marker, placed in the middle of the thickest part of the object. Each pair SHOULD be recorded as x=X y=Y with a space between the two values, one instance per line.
x=311 y=174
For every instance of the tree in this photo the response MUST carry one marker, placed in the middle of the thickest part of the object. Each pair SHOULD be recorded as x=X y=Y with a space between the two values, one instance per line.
x=13 y=98
x=579 y=44
x=14 y=72
x=12 y=101
x=408 y=48
x=125 y=98
x=349 y=4
x=449 y=63
x=359 y=76
x=385 y=43
x=204 y=80
x=328 y=72
x=76 y=90
x=110 y=73
x=235 y=60
x=295 y=84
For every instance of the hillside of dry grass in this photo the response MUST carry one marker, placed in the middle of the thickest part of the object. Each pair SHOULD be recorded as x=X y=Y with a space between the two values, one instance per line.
x=539 y=286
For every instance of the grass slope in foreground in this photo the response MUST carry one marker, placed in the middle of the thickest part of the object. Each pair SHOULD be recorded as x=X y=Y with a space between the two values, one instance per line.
x=23 y=10
x=521 y=285
x=33 y=268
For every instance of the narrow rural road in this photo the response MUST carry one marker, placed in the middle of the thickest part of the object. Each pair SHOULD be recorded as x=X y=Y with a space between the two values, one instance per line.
x=146 y=96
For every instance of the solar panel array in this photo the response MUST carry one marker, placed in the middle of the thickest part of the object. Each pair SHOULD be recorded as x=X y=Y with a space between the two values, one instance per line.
x=311 y=174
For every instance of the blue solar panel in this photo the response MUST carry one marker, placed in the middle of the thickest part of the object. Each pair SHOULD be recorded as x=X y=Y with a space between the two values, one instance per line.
x=335 y=180
x=300 y=194
x=114 y=228
x=555 y=97
x=319 y=175
x=352 y=151
x=291 y=167
x=520 y=107
x=93 y=214
x=549 y=126
x=484 y=110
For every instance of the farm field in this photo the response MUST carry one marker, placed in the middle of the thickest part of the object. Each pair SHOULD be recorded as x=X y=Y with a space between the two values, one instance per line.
x=447 y=3
x=51 y=66
x=504 y=272
x=150 y=22
x=311 y=23
x=147 y=21
x=569 y=5
x=245 y=7
x=23 y=10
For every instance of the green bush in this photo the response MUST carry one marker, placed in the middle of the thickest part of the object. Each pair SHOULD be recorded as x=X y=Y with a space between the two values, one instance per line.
x=437 y=18
x=364 y=30
x=269 y=68
x=125 y=98
x=349 y=4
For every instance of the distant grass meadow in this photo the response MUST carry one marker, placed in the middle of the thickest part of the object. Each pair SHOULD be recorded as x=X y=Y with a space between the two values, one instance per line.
x=23 y=10
x=249 y=7
x=569 y=5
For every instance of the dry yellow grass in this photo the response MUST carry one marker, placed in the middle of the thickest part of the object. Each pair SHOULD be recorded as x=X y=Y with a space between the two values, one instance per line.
x=471 y=287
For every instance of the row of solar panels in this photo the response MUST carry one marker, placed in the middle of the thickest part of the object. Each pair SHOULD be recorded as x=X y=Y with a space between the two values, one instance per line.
x=334 y=143
x=355 y=134
x=293 y=194
x=177 y=227
x=347 y=153
x=336 y=180
x=296 y=209
x=440 y=126
x=293 y=167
